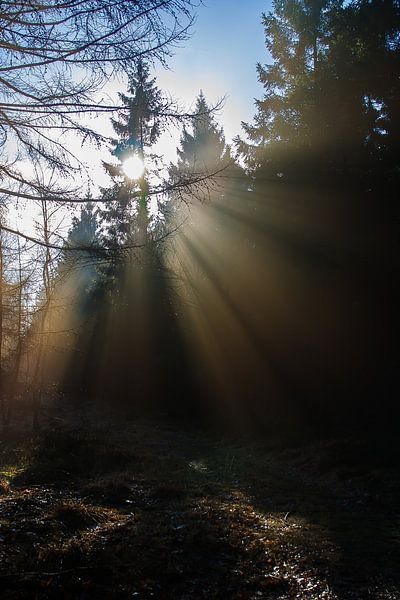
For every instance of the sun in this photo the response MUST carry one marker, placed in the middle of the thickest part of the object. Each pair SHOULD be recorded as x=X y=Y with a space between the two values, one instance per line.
x=133 y=167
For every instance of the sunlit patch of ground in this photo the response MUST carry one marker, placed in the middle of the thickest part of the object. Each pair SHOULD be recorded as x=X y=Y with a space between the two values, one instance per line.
x=146 y=509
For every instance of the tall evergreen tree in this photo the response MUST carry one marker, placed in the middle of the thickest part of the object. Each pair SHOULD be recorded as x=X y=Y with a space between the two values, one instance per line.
x=367 y=47
x=290 y=123
x=133 y=345
x=84 y=228
x=327 y=109
x=84 y=234
x=204 y=149
x=205 y=167
x=126 y=218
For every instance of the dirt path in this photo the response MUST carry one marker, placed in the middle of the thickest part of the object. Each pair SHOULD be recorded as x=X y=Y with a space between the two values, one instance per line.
x=146 y=510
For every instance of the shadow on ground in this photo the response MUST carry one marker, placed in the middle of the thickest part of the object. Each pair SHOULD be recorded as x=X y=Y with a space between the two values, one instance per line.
x=149 y=509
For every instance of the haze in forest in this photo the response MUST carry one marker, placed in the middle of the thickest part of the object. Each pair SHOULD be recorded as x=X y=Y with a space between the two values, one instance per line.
x=199 y=330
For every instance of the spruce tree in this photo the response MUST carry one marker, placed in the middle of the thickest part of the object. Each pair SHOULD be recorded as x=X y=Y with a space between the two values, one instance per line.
x=290 y=120
x=84 y=229
x=125 y=219
x=203 y=150
x=205 y=168
x=328 y=111
x=84 y=234
x=133 y=288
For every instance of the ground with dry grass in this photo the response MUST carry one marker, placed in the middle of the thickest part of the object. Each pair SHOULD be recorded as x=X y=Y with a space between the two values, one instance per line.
x=106 y=507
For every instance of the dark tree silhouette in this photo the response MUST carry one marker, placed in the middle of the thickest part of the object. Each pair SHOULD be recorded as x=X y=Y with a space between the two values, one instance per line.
x=324 y=174
x=139 y=357
x=203 y=154
x=329 y=108
x=203 y=149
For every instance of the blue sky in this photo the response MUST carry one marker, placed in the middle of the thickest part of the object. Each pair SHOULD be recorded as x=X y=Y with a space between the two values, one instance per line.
x=220 y=58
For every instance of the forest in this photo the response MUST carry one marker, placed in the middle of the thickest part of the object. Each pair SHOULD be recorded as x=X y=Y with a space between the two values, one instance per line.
x=199 y=362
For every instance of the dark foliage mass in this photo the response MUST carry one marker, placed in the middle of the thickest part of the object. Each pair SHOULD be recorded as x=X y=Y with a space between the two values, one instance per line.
x=331 y=105
x=323 y=154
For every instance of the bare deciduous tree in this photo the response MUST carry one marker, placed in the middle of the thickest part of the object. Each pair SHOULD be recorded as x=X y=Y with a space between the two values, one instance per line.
x=55 y=57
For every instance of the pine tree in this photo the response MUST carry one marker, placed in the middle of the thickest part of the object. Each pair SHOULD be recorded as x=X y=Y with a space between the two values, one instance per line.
x=84 y=234
x=327 y=110
x=84 y=229
x=205 y=168
x=126 y=218
x=290 y=120
x=203 y=151
x=141 y=125
x=367 y=48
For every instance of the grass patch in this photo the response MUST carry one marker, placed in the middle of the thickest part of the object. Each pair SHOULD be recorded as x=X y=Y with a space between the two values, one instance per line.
x=113 y=490
x=4 y=486
x=75 y=515
x=61 y=456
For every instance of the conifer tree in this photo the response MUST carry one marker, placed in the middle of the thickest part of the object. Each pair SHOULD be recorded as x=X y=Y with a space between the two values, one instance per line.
x=126 y=217
x=84 y=234
x=84 y=229
x=203 y=149
x=290 y=119
x=327 y=110
x=205 y=167
x=203 y=152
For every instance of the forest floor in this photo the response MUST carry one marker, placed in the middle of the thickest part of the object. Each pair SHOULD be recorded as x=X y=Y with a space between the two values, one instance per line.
x=145 y=508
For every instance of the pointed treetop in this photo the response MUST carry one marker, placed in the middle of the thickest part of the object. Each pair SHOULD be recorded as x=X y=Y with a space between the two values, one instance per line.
x=203 y=148
x=139 y=127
